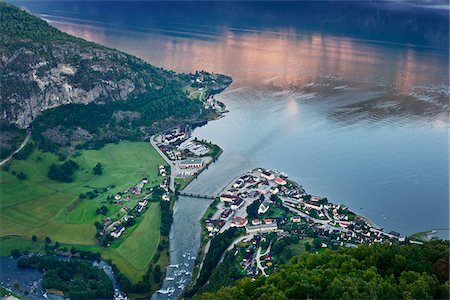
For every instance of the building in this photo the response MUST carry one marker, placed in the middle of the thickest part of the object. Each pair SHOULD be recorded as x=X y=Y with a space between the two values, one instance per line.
x=274 y=190
x=263 y=188
x=313 y=206
x=118 y=232
x=256 y=222
x=280 y=181
x=228 y=198
x=262 y=228
x=296 y=219
x=263 y=207
x=236 y=203
x=267 y=175
x=253 y=194
x=191 y=163
x=239 y=183
x=238 y=222
x=225 y=214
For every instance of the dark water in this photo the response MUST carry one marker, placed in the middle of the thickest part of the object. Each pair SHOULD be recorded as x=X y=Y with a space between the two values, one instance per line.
x=28 y=281
x=350 y=99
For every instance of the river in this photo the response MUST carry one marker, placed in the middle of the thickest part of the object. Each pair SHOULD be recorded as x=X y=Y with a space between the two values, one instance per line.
x=351 y=100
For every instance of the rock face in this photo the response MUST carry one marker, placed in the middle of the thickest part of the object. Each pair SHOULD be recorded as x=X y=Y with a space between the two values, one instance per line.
x=42 y=68
x=65 y=74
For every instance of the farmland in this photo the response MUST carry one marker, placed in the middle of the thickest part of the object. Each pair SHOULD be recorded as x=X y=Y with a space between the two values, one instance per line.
x=47 y=208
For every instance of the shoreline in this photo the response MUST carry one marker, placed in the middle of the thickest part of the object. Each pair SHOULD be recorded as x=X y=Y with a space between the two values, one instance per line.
x=375 y=232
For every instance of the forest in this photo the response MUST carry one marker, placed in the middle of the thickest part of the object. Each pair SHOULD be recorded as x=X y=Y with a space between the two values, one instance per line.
x=366 y=272
x=76 y=279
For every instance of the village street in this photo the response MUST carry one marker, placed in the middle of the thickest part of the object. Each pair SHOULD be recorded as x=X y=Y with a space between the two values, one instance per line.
x=172 y=167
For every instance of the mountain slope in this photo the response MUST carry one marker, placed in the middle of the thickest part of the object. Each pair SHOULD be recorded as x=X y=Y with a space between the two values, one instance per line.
x=76 y=92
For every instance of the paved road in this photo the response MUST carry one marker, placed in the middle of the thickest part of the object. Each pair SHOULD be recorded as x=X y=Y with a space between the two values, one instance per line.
x=25 y=141
x=245 y=238
x=168 y=161
x=258 y=259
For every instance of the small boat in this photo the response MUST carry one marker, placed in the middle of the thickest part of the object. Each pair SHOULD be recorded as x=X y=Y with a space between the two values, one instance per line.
x=45 y=295
x=186 y=264
x=174 y=266
x=167 y=291
x=181 y=286
x=184 y=255
x=170 y=278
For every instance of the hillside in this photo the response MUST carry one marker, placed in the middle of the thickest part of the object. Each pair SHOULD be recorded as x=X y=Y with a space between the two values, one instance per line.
x=78 y=93
x=366 y=272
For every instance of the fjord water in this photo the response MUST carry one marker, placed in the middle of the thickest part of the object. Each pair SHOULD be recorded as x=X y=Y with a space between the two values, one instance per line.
x=350 y=99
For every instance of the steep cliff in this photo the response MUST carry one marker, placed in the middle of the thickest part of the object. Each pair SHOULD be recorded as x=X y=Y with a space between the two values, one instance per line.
x=42 y=67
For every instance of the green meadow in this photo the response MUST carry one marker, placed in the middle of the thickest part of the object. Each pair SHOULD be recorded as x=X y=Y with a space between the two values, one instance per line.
x=46 y=208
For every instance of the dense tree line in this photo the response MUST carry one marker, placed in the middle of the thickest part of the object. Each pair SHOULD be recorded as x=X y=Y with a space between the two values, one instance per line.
x=166 y=217
x=366 y=272
x=218 y=246
x=14 y=138
x=224 y=274
x=63 y=172
x=77 y=279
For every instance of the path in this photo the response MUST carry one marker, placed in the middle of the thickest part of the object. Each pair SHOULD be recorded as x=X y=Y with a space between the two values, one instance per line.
x=258 y=259
x=168 y=161
x=25 y=141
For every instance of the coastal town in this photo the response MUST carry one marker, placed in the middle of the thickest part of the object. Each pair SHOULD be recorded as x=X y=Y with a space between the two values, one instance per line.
x=186 y=156
x=269 y=207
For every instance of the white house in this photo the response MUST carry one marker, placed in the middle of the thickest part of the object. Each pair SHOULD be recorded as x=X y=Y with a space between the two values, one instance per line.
x=263 y=207
x=118 y=232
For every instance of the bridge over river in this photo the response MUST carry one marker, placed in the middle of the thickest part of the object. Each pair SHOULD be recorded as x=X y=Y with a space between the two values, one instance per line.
x=196 y=195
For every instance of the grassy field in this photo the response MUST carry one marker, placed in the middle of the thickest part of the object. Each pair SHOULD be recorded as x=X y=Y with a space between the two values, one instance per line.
x=133 y=254
x=43 y=207
x=297 y=249
x=194 y=93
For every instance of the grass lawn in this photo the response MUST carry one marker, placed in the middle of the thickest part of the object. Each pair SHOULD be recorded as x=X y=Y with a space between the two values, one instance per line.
x=181 y=183
x=43 y=207
x=133 y=254
x=296 y=249
x=10 y=243
x=194 y=93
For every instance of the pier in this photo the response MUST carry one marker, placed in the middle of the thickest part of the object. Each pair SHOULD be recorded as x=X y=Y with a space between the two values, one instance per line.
x=196 y=195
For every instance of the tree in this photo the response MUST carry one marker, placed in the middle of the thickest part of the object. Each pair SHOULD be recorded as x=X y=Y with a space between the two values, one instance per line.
x=317 y=244
x=21 y=176
x=34 y=238
x=307 y=246
x=98 y=169
x=252 y=209
x=47 y=240
x=102 y=210
x=157 y=274
x=15 y=253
